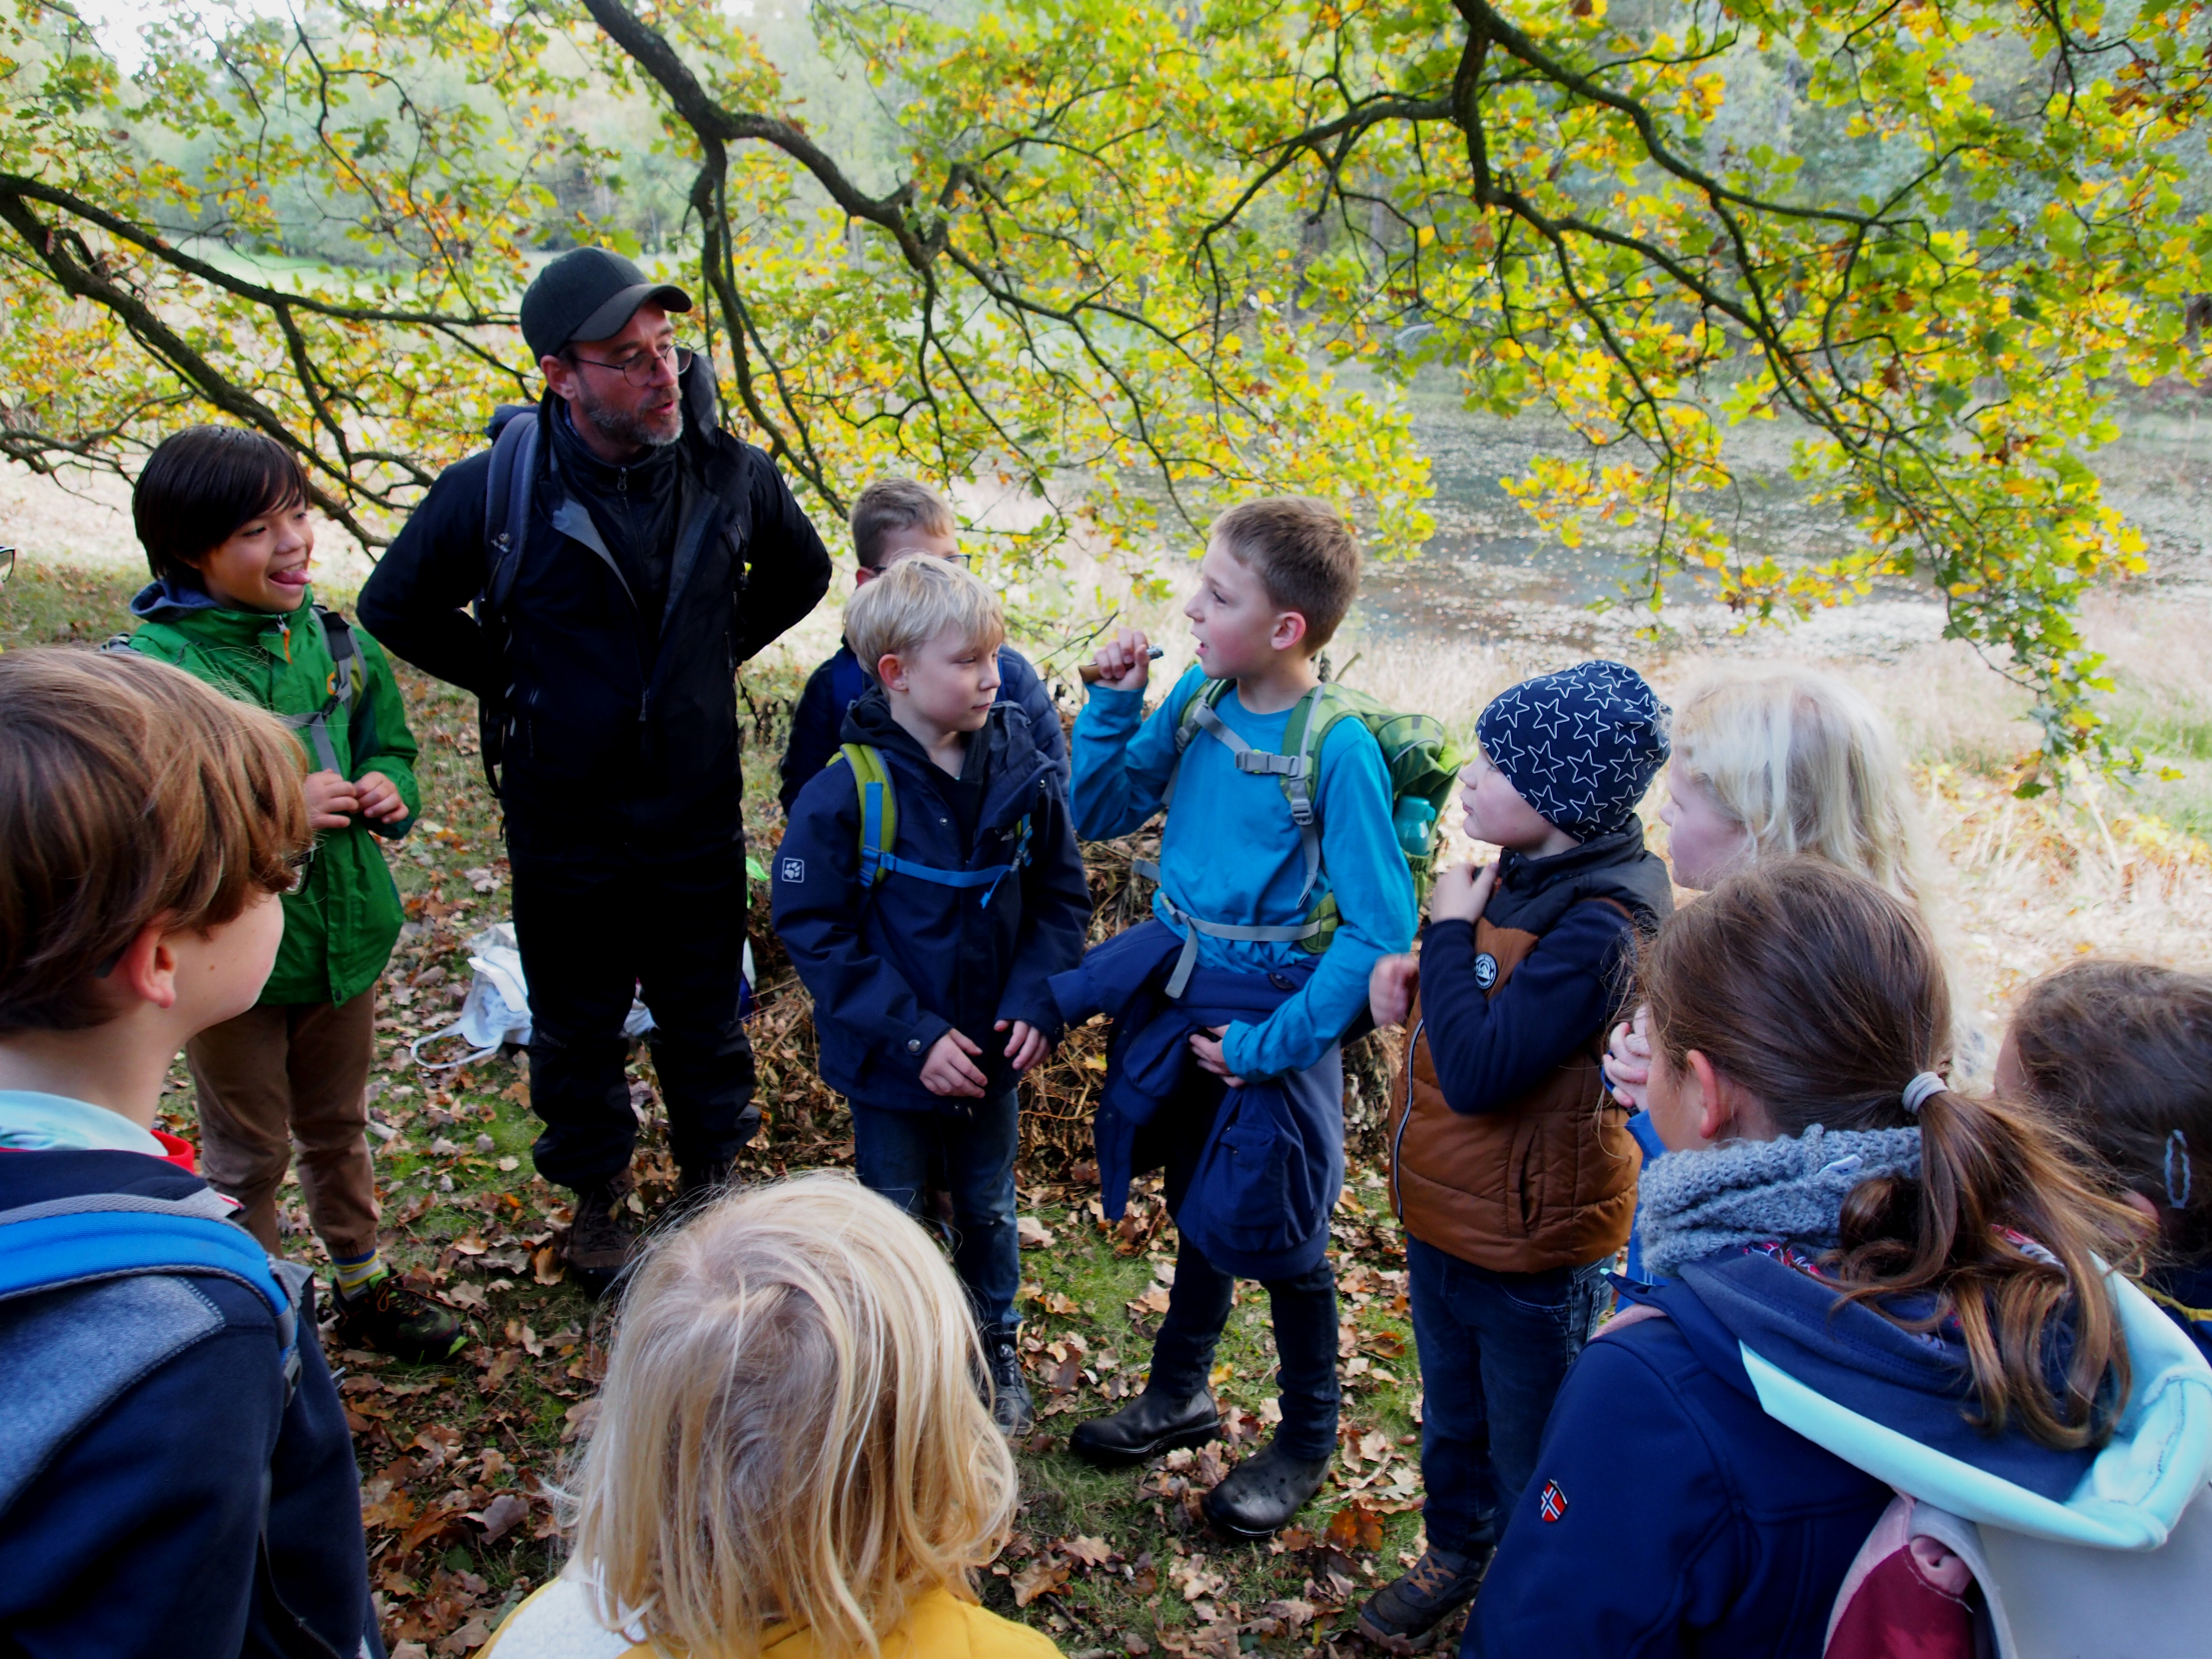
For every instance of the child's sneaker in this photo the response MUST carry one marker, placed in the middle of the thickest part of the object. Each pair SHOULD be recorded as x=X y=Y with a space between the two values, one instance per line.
x=386 y=1316
x=1405 y=1615
x=1012 y=1407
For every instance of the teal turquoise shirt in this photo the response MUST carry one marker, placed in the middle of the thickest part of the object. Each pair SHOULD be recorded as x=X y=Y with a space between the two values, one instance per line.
x=1230 y=854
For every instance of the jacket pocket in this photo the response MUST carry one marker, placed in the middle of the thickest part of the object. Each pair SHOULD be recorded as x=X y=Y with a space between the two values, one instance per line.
x=1260 y=1189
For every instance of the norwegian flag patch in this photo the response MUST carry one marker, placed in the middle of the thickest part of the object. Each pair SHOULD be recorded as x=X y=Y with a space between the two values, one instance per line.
x=1553 y=1502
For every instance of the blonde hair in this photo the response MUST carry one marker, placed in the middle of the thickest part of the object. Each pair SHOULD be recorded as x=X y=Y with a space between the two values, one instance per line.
x=791 y=1429
x=129 y=792
x=913 y=602
x=1805 y=765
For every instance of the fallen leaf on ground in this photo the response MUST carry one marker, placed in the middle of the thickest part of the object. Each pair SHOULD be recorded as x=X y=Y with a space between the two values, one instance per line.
x=1033 y=1234
x=1091 y=1551
x=545 y=1265
x=581 y=1416
x=500 y=1517
x=1042 y=1576
x=1153 y=1301
x=1356 y=1527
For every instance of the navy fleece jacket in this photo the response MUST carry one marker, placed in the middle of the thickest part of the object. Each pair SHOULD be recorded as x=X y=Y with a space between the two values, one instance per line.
x=894 y=967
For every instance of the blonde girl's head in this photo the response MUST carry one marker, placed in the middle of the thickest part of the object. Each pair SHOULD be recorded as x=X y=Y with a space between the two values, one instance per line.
x=1785 y=762
x=791 y=1429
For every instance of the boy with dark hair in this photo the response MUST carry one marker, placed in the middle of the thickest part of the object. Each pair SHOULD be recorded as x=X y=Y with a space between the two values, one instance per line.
x=895 y=519
x=1224 y=1067
x=223 y=514
x=176 y=1475
x=928 y=887
x=1512 y=1170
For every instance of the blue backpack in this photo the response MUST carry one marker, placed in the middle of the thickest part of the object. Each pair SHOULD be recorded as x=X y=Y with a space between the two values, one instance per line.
x=65 y=1359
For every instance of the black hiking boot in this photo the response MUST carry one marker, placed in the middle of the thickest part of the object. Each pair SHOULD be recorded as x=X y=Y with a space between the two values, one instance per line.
x=387 y=1316
x=1405 y=1615
x=1148 y=1425
x=603 y=1239
x=1264 y=1491
x=1012 y=1408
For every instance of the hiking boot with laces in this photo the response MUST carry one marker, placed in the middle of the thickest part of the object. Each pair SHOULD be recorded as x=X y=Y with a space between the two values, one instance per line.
x=1407 y=1613
x=1012 y=1408
x=387 y=1316
x=603 y=1238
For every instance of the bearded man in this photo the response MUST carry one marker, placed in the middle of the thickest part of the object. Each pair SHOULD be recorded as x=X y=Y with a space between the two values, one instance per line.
x=622 y=554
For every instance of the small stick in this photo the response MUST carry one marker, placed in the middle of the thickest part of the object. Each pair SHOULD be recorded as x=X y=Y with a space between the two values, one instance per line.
x=1091 y=674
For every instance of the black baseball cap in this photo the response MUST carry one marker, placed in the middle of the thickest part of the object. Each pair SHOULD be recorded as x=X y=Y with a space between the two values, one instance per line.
x=589 y=293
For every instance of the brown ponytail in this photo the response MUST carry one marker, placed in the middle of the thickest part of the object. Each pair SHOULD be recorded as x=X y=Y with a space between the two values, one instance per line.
x=1822 y=996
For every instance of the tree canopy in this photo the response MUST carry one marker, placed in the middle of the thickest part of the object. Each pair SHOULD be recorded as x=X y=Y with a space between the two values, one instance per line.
x=1141 y=258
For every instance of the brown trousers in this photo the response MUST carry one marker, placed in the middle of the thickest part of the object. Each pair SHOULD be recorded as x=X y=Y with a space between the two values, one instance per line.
x=278 y=1079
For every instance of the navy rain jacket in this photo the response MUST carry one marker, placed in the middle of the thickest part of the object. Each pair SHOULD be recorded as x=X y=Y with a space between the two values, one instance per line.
x=139 y=1536
x=832 y=689
x=893 y=969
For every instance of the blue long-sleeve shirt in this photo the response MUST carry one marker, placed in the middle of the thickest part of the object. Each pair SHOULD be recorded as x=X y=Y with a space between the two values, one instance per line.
x=1230 y=854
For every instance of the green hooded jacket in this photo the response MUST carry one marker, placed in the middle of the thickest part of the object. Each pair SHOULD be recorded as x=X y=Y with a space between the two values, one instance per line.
x=340 y=926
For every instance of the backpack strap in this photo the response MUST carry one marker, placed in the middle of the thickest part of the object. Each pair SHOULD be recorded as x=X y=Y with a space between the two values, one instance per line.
x=871 y=781
x=339 y=640
x=1298 y=769
x=507 y=501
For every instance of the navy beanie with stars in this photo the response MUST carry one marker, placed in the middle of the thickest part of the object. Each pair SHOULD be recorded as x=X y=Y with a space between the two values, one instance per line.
x=1580 y=746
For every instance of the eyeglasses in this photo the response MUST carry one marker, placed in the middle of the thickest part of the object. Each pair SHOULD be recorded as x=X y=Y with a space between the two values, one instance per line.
x=7 y=562
x=640 y=367
x=295 y=869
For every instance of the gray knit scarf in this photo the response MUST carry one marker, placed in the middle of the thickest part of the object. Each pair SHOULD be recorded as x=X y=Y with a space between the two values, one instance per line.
x=1747 y=1192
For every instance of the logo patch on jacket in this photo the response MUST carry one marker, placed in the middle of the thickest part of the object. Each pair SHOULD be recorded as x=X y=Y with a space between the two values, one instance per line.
x=793 y=870
x=1553 y=1502
x=1486 y=971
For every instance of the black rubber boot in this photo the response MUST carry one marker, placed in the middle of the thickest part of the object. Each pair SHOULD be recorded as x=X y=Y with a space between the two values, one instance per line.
x=1264 y=1491
x=1405 y=1615
x=1148 y=1425
x=1012 y=1408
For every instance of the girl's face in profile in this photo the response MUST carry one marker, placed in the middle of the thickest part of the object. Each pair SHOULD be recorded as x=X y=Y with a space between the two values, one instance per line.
x=1703 y=843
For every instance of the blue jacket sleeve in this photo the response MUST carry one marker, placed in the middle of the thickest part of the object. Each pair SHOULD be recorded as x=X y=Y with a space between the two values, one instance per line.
x=1055 y=918
x=817 y=902
x=1488 y=1049
x=814 y=730
x=1643 y=1550
x=1374 y=889
x=1122 y=761
x=1025 y=689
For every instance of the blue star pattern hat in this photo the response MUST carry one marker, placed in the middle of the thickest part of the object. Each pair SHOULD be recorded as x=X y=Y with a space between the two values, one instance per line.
x=1580 y=746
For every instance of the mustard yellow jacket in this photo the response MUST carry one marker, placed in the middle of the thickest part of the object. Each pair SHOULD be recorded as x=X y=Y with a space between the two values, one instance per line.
x=556 y=1623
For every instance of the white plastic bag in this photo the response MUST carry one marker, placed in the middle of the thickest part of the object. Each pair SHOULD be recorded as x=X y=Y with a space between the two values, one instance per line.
x=497 y=1010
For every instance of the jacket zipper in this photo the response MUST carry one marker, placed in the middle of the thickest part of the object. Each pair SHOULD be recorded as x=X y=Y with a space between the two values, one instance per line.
x=1398 y=1144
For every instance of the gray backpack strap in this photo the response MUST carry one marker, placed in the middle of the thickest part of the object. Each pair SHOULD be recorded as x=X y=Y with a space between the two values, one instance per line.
x=339 y=640
x=508 y=485
x=1295 y=772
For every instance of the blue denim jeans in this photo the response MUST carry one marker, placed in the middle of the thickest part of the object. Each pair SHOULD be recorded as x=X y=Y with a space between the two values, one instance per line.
x=894 y=1150
x=1494 y=1349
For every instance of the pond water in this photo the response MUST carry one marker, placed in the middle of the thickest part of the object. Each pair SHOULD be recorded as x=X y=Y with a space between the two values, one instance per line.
x=1488 y=574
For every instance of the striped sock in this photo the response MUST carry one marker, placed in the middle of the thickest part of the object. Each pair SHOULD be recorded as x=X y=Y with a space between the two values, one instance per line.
x=354 y=1276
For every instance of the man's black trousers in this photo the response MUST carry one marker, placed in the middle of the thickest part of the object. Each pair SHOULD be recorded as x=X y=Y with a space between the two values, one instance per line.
x=591 y=931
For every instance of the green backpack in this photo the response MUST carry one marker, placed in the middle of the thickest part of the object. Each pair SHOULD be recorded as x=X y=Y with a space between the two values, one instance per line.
x=1423 y=772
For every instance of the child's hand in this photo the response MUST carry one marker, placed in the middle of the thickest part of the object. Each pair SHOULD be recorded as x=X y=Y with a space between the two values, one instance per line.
x=378 y=798
x=946 y=1069
x=332 y=801
x=1462 y=893
x=1026 y=1046
x=1208 y=1050
x=1390 y=988
x=1628 y=1058
x=1125 y=662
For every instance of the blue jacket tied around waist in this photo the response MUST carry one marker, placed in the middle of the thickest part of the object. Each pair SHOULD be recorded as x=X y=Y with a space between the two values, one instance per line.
x=1272 y=1166
x=893 y=966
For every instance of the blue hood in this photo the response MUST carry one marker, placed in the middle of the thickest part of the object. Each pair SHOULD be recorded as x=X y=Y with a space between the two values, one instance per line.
x=1897 y=1405
x=164 y=599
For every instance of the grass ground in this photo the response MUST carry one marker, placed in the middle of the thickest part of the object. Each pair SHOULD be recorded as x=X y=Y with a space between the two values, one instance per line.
x=455 y=1459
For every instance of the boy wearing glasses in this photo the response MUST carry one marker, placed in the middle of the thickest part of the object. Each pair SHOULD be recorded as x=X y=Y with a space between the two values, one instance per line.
x=895 y=518
x=595 y=578
x=223 y=513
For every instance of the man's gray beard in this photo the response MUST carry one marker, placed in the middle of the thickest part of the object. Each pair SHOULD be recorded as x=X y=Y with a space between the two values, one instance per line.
x=621 y=427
